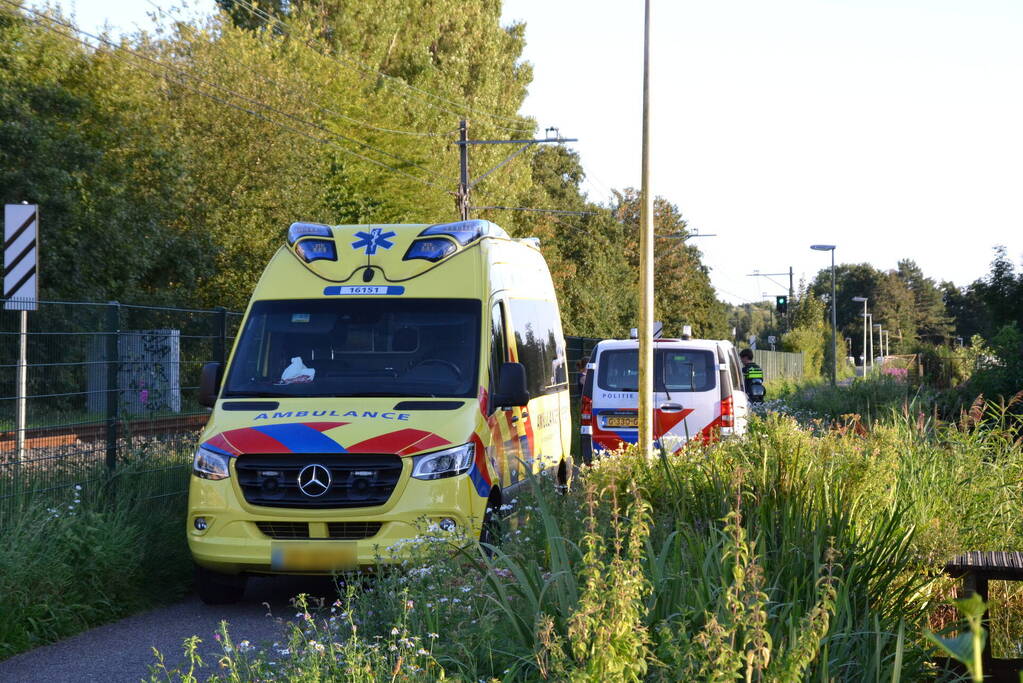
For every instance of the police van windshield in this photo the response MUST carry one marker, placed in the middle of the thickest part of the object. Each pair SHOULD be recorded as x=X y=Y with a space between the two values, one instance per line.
x=674 y=370
x=358 y=347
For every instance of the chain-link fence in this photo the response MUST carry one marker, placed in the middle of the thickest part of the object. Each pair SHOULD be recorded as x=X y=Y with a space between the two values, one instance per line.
x=107 y=387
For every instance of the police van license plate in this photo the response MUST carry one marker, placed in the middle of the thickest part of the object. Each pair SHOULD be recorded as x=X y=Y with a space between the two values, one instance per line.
x=621 y=421
x=312 y=556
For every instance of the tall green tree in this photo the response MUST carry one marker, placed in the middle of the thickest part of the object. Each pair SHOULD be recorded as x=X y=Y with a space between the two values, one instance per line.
x=74 y=142
x=809 y=334
x=931 y=321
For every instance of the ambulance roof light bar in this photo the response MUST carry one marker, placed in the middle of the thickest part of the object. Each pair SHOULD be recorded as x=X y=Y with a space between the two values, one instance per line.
x=299 y=230
x=465 y=232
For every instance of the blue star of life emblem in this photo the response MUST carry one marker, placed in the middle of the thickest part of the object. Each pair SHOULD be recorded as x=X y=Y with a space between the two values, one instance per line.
x=373 y=239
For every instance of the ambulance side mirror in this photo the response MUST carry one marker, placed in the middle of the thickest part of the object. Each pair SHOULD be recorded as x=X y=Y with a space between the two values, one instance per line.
x=209 y=383
x=511 y=387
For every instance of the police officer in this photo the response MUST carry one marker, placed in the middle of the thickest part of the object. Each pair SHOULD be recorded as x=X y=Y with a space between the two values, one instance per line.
x=753 y=375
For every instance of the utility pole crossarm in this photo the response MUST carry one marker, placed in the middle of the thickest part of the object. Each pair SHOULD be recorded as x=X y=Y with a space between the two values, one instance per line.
x=513 y=142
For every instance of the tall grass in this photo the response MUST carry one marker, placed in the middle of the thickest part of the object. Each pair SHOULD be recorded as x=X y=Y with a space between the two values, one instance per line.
x=797 y=553
x=94 y=553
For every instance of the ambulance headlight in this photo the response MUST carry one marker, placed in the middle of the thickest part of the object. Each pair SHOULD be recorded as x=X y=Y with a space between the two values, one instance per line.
x=209 y=464
x=433 y=249
x=446 y=463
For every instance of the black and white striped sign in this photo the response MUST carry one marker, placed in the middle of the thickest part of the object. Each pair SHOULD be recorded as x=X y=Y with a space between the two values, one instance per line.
x=21 y=257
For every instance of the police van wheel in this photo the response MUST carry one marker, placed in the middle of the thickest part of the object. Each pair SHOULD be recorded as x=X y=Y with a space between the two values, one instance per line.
x=218 y=589
x=492 y=529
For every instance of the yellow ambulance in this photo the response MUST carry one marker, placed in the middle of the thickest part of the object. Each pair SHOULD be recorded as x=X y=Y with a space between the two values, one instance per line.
x=388 y=381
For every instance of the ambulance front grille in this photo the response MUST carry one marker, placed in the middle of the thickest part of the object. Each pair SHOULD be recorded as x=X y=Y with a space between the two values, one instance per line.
x=352 y=530
x=284 y=530
x=356 y=481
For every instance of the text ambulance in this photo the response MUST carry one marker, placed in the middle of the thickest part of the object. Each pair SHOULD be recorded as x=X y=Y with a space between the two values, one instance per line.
x=387 y=379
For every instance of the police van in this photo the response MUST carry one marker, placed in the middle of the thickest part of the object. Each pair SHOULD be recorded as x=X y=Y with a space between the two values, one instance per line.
x=698 y=394
x=388 y=380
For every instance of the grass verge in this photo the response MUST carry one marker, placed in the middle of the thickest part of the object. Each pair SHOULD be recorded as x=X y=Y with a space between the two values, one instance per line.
x=797 y=553
x=92 y=554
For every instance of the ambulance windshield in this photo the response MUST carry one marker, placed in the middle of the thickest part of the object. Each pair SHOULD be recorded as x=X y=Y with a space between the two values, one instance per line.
x=674 y=370
x=358 y=347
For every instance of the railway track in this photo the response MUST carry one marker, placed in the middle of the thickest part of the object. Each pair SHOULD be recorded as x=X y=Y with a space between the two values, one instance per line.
x=68 y=435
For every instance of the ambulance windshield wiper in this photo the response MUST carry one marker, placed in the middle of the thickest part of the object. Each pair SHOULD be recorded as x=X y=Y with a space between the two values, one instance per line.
x=257 y=394
x=382 y=394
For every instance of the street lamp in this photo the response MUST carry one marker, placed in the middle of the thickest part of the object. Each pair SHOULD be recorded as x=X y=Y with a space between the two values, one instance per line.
x=880 y=340
x=834 y=315
x=864 y=355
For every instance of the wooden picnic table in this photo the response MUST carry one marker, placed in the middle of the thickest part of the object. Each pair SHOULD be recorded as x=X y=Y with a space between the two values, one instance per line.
x=977 y=568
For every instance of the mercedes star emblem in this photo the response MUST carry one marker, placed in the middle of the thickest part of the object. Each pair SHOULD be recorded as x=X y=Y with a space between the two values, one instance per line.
x=314 y=480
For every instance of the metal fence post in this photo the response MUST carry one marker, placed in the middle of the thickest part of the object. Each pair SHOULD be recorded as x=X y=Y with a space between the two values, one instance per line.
x=220 y=335
x=113 y=362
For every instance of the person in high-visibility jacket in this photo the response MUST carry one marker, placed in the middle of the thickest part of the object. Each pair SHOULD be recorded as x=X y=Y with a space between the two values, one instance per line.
x=753 y=375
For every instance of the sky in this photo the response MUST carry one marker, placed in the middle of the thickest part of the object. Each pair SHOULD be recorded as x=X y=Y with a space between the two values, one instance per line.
x=892 y=129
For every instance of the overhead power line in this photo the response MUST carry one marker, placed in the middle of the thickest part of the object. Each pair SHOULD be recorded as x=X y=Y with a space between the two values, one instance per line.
x=166 y=69
x=523 y=208
x=370 y=72
x=329 y=110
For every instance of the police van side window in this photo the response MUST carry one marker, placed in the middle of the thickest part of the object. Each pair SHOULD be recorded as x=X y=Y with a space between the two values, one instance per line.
x=736 y=364
x=539 y=344
x=498 y=346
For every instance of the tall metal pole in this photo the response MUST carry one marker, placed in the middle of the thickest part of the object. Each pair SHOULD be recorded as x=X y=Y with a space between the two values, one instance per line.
x=865 y=338
x=646 y=264
x=834 y=324
x=870 y=340
x=22 y=384
x=788 y=310
x=462 y=196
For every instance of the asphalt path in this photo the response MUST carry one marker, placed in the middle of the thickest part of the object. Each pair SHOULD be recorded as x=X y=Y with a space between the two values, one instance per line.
x=123 y=650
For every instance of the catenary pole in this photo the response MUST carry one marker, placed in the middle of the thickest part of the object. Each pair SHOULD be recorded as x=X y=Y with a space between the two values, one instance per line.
x=646 y=263
x=462 y=197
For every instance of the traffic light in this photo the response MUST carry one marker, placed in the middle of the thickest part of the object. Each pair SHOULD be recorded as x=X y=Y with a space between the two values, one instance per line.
x=781 y=304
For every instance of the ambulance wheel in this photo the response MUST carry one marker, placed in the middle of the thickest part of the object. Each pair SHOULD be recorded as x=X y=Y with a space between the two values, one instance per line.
x=218 y=589
x=565 y=472
x=492 y=529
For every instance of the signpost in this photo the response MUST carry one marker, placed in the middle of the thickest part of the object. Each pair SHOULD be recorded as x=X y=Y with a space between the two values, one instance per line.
x=21 y=291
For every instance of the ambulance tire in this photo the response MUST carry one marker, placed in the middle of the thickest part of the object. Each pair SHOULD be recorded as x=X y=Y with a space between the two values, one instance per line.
x=218 y=589
x=493 y=528
x=566 y=472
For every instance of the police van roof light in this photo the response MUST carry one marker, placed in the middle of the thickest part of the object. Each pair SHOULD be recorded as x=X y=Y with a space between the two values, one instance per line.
x=687 y=331
x=433 y=249
x=300 y=230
